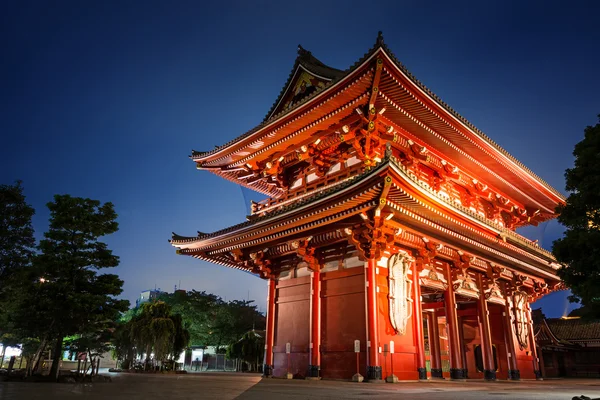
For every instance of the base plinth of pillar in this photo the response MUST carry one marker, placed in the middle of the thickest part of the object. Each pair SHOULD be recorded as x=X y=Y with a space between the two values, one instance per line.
x=514 y=375
x=374 y=374
x=267 y=371
x=489 y=375
x=538 y=375
x=357 y=378
x=458 y=373
x=392 y=379
x=422 y=373
x=313 y=372
x=436 y=373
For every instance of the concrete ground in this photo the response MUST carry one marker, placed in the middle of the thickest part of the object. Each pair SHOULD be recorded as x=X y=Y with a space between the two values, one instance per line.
x=224 y=386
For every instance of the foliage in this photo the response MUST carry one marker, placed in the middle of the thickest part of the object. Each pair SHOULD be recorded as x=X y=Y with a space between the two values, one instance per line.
x=16 y=246
x=212 y=321
x=249 y=348
x=16 y=232
x=579 y=249
x=65 y=295
x=154 y=329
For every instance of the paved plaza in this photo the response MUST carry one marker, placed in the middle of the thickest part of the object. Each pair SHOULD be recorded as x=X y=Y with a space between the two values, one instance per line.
x=224 y=386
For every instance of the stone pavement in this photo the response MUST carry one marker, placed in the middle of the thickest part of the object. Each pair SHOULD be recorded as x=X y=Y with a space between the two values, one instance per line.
x=225 y=386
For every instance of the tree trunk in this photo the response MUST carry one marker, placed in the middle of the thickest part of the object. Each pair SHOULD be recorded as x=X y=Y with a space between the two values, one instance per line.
x=57 y=357
x=147 y=366
x=37 y=356
x=92 y=362
x=28 y=365
x=3 y=354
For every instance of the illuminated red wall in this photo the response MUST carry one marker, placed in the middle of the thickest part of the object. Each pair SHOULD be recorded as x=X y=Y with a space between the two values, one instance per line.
x=292 y=326
x=342 y=322
x=404 y=358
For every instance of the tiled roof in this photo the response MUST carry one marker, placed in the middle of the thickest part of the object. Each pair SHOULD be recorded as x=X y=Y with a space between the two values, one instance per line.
x=306 y=59
x=574 y=329
x=304 y=201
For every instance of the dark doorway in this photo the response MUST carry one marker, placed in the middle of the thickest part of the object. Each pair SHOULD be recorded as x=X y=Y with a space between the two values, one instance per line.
x=479 y=358
x=560 y=360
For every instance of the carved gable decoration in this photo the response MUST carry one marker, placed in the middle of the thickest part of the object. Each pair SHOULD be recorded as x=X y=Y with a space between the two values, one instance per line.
x=304 y=85
x=400 y=291
x=520 y=310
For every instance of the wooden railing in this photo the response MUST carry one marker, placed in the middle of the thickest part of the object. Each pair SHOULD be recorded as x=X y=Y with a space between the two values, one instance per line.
x=306 y=189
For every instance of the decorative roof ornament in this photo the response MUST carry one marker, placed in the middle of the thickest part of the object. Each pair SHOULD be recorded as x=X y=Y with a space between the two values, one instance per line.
x=380 y=38
x=302 y=51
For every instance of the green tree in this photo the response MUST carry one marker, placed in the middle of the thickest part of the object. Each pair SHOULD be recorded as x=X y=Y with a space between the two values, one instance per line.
x=579 y=249
x=154 y=330
x=70 y=297
x=16 y=246
x=212 y=321
x=249 y=349
x=198 y=311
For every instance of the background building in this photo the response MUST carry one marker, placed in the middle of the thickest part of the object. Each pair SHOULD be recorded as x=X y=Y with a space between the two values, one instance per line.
x=568 y=346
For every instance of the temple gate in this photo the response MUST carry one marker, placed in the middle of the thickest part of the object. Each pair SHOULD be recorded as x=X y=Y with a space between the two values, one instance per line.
x=389 y=220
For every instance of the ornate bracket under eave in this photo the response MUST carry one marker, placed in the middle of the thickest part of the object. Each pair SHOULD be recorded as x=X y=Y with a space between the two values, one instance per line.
x=491 y=288
x=462 y=282
x=429 y=276
x=306 y=253
x=372 y=237
x=255 y=262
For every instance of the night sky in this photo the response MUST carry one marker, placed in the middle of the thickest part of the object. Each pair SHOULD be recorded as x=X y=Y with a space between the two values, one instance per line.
x=106 y=99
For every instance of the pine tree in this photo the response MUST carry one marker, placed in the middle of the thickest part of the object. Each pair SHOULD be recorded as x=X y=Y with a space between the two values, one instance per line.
x=579 y=249
x=71 y=295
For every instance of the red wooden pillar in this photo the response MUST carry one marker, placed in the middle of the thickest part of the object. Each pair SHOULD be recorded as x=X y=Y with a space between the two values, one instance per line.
x=418 y=321
x=314 y=365
x=463 y=353
x=509 y=339
x=489 y=369
x=536 y=360
x=434 y=346
x=457 y=369
x=270 y=334
x=374 y=369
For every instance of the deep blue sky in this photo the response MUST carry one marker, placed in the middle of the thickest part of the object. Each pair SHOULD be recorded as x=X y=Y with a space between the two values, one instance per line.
x=106 y=99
